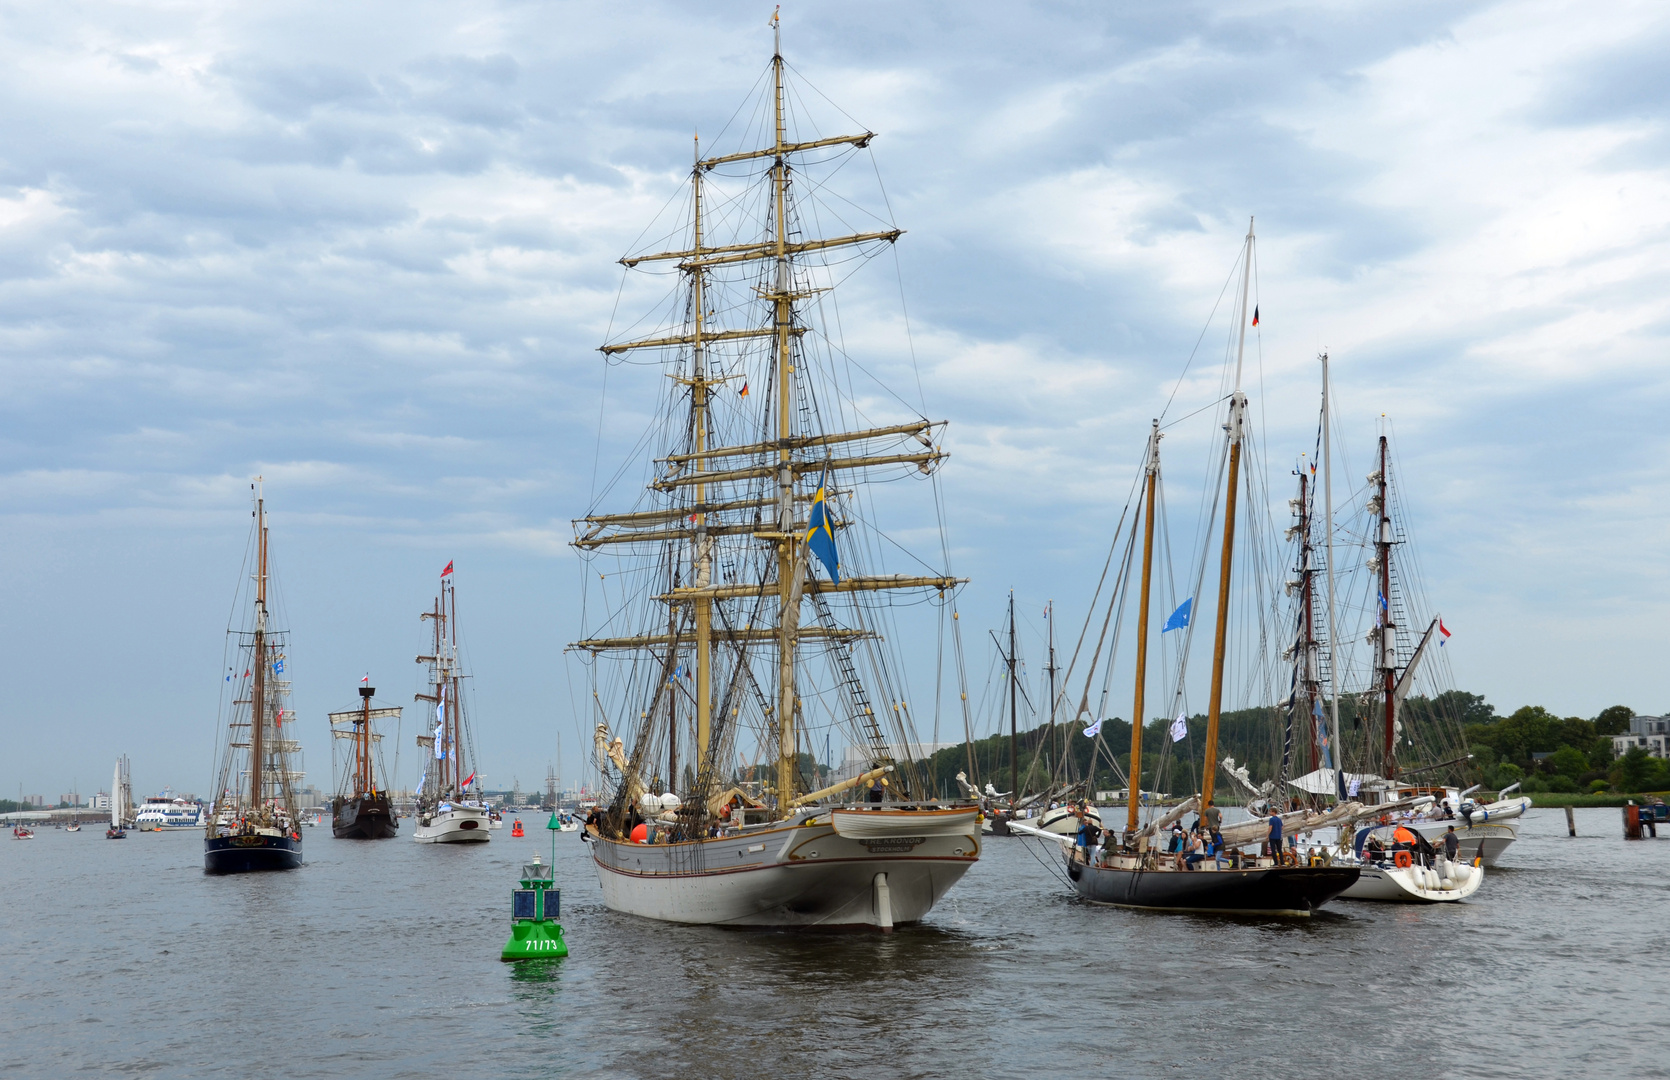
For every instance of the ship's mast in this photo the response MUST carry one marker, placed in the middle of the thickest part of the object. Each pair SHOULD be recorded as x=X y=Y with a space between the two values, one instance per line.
x=1014 y=763
x=1338 y=745
x=1133 y=796
x=258 y=692
x=704 y=545
x=718 y=509
x=362 y=745
x=1237 y=421
x=788 y=565
x=438 y=669
x=1308 y=661
x=455 y=738
x=1386 y=642
x=1049 y=670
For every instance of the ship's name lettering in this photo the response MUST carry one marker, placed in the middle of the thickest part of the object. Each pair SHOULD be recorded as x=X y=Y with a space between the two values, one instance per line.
x=894 y=843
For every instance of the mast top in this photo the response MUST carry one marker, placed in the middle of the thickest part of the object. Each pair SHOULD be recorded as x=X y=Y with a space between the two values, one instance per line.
x=1238 y=400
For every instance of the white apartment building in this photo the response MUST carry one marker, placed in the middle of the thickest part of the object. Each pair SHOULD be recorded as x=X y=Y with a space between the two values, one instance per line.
x=1650 y=733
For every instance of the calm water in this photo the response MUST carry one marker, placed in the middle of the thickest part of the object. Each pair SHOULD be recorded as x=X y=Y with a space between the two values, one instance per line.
x=380 y=960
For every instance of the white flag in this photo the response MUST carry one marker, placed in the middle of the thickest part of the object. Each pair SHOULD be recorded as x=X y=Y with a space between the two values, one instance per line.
x=1093 y=730
x=1179 y=728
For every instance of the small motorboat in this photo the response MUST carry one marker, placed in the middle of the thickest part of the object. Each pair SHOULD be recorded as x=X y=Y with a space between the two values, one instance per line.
x=1411 y=871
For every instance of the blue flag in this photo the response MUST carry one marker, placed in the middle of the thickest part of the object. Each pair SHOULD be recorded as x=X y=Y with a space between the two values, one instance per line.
x=819 y=536
x=1180 y=618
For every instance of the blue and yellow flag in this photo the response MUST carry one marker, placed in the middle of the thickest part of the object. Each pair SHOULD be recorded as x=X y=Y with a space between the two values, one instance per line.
x=819 y=536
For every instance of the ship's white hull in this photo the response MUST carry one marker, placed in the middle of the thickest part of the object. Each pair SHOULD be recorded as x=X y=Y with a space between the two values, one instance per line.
x=457 y=825
x=1063 y=822
x=1486 y=840
x=803 y=872
x=151 y=824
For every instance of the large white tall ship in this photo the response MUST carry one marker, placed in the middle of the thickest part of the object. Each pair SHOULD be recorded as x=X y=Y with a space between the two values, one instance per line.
x=450 y=806
x=740 y=618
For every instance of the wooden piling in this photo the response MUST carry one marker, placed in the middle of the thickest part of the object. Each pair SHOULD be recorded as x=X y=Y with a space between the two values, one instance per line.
x=1632 y=821
x=1571 y=822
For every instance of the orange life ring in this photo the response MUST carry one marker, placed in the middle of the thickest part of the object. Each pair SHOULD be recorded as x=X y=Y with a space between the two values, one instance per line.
x=1402 y=860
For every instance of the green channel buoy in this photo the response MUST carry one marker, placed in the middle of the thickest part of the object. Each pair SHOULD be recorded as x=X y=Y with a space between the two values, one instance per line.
x=534 y=931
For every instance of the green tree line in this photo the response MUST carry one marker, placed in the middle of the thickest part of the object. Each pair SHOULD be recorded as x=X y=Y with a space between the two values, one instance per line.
x=1531 y=746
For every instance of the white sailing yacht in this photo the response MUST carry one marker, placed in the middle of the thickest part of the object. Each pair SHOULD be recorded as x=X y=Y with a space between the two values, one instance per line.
x=450 y=807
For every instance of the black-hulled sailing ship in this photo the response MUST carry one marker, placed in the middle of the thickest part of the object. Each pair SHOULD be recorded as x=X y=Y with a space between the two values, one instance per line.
x=362 y=809
x=1132 y=870
x=253 y=823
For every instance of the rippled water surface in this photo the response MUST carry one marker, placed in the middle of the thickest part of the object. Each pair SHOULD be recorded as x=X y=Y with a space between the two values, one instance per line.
x=381 y=960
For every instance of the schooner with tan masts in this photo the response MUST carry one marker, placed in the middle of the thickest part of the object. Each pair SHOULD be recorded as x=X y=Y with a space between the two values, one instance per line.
x=1130 y=870
x=741 y=614
x=252 y=823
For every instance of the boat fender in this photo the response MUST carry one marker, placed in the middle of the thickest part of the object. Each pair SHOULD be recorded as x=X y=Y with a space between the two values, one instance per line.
x=1402 y=860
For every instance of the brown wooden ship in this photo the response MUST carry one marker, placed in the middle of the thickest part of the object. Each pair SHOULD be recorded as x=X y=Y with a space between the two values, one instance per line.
x=362 y=809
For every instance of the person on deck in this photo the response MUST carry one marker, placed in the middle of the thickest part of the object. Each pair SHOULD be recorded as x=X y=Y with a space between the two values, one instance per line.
x=1275 y=835
x=1197 y=850
x=1213 y=818
x=1452 y=843
x=1087 y=835
x=878 y=789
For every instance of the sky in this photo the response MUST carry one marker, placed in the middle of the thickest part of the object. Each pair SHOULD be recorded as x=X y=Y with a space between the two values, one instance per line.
x=368 y=252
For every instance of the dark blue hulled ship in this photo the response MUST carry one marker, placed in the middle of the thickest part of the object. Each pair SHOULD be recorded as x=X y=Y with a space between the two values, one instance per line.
x=253 y=823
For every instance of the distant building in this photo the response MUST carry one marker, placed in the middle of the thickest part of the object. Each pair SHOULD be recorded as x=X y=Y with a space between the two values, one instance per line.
x=101 y=801
x=34 y=800
x=1650 y=733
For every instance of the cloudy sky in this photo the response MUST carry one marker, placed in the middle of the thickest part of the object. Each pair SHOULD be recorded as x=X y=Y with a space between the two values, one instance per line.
x=368 y=251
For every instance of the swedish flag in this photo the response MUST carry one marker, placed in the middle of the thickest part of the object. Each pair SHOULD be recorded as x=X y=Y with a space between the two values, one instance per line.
x=819 y=536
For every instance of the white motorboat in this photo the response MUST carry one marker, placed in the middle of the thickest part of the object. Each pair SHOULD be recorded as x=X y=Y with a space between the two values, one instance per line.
x=1443 y=882
x=452 y=823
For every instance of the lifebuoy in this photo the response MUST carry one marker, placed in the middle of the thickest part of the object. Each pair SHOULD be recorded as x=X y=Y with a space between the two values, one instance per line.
x=1402 y=860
